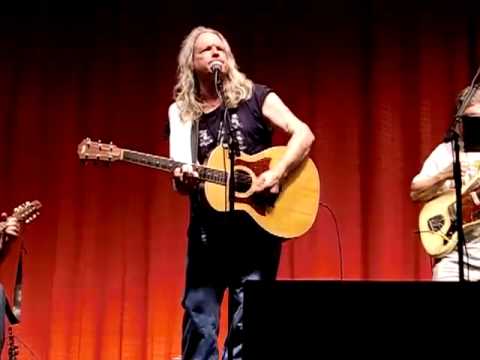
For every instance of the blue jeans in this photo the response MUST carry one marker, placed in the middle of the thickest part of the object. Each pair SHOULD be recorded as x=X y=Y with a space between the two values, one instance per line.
x=217 y=260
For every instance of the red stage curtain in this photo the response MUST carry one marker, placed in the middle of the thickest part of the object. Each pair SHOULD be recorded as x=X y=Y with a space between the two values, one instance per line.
x=104 y=268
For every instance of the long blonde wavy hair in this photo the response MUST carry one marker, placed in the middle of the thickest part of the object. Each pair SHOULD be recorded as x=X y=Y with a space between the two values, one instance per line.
x=236 y=85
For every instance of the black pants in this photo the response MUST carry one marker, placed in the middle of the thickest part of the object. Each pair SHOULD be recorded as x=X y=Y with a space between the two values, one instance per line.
x=221 y=257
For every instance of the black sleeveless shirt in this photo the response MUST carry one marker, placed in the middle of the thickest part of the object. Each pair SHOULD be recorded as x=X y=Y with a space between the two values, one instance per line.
x=251 y=130
x=253 y=134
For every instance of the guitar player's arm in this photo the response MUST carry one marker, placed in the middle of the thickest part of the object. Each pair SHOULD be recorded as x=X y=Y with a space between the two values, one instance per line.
x=435 y=175
x=426 y=188
x=298 y=147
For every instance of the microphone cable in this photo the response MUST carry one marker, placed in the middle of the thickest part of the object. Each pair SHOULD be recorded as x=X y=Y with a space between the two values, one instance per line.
x=339 y=242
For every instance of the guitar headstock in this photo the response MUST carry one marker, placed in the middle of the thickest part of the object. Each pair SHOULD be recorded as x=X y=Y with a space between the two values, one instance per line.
x=27 y=211
x=96 y=150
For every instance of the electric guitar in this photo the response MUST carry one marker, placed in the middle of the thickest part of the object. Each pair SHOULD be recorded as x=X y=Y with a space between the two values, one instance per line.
x=10 y=272
x=437 y=220
x=288 y=214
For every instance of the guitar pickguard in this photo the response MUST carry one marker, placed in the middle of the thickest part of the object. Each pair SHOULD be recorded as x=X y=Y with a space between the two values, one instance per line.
x=260 y=202
x=436 y=223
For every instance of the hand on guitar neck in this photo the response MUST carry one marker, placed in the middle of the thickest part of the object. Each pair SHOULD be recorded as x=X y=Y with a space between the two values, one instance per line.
x=10 y=225
x=185 y=179
x=9 y=228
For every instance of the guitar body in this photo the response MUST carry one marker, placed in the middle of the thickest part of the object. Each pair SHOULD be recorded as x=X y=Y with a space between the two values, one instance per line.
x=293 y=211
x=437 y=230
x=434 y=224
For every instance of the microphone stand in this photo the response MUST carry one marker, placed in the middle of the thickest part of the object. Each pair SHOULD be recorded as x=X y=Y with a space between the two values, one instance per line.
x=454 y=137
x=230 y=141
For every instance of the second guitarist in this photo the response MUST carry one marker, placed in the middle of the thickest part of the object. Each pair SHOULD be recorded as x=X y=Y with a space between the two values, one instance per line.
x=435 y=180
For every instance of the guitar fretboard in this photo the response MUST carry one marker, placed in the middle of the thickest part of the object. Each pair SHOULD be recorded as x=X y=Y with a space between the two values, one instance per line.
x=166 y=164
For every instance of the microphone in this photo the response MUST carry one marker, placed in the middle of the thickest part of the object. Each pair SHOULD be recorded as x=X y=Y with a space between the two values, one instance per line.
x=216 y=69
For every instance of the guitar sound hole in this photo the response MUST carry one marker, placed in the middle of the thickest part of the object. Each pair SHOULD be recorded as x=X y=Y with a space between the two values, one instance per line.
x=243 y=181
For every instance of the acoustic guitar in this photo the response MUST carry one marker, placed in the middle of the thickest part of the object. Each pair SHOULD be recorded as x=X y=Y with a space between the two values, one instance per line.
x=437 y=220
x=288 y=214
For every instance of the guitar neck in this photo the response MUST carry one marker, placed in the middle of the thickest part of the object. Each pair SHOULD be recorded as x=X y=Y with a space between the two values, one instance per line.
x=169 y=165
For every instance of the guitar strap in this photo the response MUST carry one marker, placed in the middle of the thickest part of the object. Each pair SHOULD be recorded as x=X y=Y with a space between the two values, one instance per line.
x=14 y=313
x=194 y=141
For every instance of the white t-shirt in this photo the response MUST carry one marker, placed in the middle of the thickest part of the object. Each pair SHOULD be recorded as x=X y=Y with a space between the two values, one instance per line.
x=442 y=157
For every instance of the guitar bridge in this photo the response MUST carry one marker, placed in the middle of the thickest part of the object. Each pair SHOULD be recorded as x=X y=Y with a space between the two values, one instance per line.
x=265 y=198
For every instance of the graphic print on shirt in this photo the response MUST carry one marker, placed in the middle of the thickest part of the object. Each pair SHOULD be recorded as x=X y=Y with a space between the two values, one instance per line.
x=237 y=130
x=206 y=139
